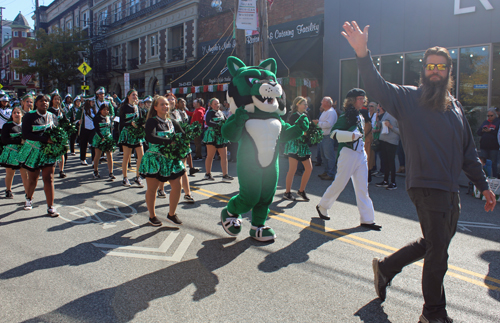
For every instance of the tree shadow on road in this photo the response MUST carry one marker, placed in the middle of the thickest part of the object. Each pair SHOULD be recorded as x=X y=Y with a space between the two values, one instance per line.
x=373 y=312
x=123 y=302
x=309 y=240
x=493 y=257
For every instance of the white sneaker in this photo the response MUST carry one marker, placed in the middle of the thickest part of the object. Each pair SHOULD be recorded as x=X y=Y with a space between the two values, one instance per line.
x=83 y=162
x=28 y=205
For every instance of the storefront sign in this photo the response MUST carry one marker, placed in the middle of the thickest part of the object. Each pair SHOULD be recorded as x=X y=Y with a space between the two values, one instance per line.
x=298 y=29
x=460 y=11
x=480 y=86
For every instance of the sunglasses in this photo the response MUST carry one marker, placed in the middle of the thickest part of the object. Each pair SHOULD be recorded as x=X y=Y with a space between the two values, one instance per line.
x=440 y=67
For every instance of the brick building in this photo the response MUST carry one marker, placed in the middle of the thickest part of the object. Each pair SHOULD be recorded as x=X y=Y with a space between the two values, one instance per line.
x=295 y=41
x=150 y=41
x=12 y=81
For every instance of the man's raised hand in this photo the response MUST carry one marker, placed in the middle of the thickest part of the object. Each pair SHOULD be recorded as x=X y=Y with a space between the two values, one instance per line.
x=357 y=39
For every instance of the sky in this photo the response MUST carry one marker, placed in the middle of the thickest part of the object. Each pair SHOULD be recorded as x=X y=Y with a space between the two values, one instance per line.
x=27 y=8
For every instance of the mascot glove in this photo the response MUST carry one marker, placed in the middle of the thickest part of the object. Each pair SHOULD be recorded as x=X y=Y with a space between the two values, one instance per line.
x=302 y=122
x=345 y=136
x=241 y=116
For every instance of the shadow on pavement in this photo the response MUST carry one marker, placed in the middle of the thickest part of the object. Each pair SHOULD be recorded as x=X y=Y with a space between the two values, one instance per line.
x=493 y=257
x=297 y=251
x=373 y=312
x=81 y=254
x=123 y=302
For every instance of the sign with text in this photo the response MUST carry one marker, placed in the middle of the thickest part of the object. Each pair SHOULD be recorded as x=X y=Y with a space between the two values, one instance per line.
x=246 y=18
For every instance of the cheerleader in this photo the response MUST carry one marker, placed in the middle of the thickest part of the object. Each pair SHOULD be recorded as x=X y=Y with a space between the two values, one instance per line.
x=86 y=132
x=12 y=139
x=214 y=141
x=297 y=151
x=56 y=109
x=27 y=103
x=31 y=156
x=180 y=118
x=155 y=167
x=66 y=105
x=102 y=137
x=128 y=113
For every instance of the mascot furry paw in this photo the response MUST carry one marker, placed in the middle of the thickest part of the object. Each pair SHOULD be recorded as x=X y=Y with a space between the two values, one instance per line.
x=257 y=103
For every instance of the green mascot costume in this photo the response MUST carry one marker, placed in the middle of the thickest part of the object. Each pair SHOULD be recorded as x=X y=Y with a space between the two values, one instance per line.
x=257 y=102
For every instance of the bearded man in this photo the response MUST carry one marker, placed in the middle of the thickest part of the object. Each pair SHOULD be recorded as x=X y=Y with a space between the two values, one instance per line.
x=438 y=144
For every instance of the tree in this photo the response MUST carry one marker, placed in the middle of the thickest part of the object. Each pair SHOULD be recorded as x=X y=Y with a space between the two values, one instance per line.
x=53 y=57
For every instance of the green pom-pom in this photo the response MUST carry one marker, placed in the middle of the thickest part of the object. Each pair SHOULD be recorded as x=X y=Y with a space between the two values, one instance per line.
x=191 y=130
x=59 y=146
x=138 y=132
x=177 y=149
x=107 y=144
x=218 y=128
x=313 y=135
x=67 y=126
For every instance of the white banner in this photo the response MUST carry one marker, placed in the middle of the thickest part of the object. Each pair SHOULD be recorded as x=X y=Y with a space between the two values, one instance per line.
x=246 y=18
x=126 y=82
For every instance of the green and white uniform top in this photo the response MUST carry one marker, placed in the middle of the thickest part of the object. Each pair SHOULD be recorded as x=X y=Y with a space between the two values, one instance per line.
x=4 y=116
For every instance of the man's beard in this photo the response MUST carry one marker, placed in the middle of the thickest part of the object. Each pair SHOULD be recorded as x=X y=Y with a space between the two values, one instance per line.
x=435 y=93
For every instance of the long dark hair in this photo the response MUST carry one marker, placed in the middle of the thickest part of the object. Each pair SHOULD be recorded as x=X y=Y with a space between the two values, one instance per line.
x=435 y=94
x=88 y=106
x=51 y=102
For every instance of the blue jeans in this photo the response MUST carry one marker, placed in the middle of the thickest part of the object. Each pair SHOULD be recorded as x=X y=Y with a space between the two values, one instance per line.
x=493 y=156
x=327 y=149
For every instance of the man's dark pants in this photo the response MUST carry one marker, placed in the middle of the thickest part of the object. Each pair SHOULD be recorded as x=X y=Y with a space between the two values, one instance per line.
x=438 y=213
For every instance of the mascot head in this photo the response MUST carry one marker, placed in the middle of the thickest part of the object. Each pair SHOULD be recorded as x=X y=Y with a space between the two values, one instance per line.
x=255 y=87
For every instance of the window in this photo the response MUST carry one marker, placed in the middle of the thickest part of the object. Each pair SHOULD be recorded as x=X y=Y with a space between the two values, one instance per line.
x=77 y=21
x=16 y=53
x=474 y=76
x=103 y=18
x=153 y=43
x=116 y=56
x=25 y=34
x=117 y=11
x=133 y=5
x=392 y=68
x=349 y=72
x=85 y=17
x=16 y=75
x=15 y=33
x=176 y=43
x=69 y=25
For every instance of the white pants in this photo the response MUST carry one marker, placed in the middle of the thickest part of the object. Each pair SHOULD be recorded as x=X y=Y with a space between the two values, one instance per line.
x=351 y=164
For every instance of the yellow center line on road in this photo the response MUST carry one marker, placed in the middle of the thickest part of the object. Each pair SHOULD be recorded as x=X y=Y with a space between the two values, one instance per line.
x=348 y=238
x=351 y=239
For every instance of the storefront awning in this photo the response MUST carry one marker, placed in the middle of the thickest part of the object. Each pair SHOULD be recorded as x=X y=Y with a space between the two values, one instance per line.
x=298 y=55
x=209 y=70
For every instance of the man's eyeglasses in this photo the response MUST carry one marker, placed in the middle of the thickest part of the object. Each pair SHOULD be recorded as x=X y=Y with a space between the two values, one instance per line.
x=440 y=67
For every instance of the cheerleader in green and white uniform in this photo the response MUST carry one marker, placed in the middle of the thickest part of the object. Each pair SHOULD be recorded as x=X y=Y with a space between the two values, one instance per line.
x=55 y=107
x=155 y=167
x=214 y=141
x=12 y=139
x=128 y=113
x=297 y=151
x=31 y=156
x=103 y=140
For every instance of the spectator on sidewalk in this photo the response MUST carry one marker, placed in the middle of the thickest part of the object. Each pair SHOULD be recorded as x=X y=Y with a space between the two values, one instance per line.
x=488 y=144
x=389 y=140
x=327 y=146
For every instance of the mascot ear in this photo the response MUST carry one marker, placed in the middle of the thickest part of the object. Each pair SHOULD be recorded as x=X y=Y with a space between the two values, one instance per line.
x=270 y=65
x=234 y=64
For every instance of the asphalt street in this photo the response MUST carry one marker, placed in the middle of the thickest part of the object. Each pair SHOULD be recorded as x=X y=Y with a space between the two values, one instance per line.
x=101 y=262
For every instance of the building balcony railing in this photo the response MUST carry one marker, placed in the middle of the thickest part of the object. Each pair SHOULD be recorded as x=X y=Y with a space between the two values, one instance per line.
x=115 y=61
x=133 y=63
x=176 y=54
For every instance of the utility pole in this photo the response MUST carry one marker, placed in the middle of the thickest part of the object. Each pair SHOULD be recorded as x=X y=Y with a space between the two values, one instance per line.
x=264 y=30
x=37 y=10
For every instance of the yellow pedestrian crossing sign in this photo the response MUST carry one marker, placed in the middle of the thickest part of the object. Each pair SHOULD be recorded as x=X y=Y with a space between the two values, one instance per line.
x=84 y=68
x=85 y=87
